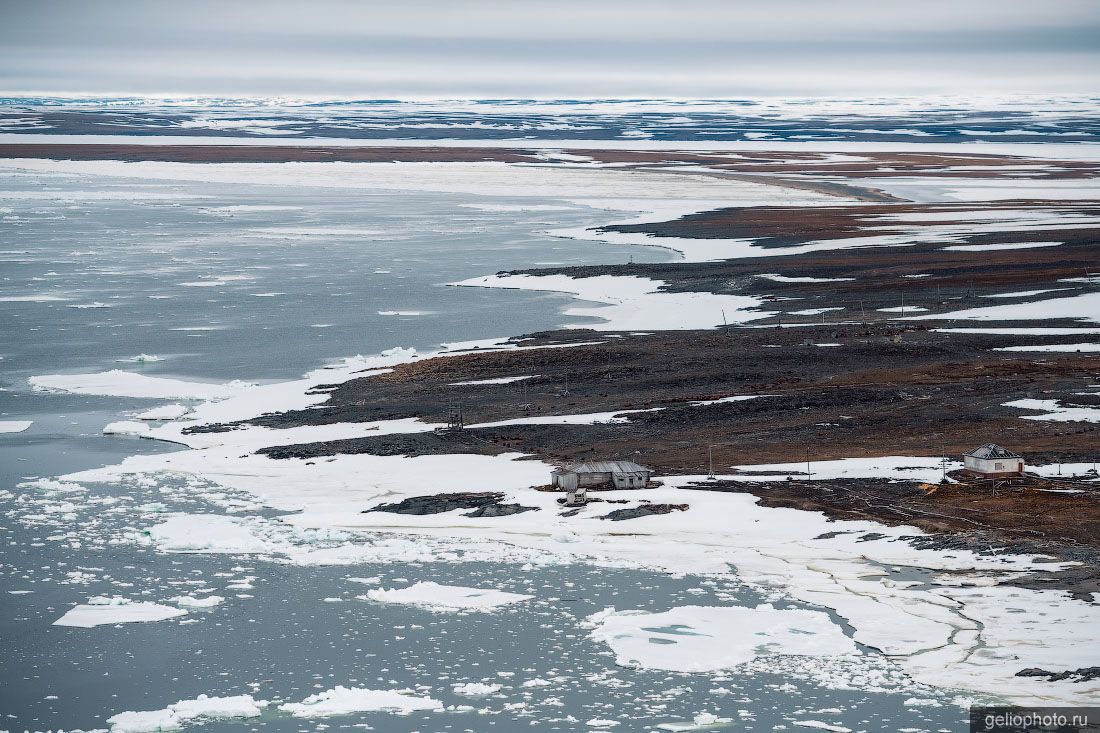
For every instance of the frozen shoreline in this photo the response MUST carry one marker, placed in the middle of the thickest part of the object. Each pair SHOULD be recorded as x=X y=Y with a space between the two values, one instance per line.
x=939 y=632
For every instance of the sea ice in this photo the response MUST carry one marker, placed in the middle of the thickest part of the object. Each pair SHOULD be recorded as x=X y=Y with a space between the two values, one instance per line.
x=193 y=602
x=116 y=610
x=475 y=688
x=211 y=533
x=447 y=597
x=164 y=412
x=126 y=427
x=345 y=700
x=143 y=358
x=709 y=638
x=178 y=715
x=14 y=426
x=118 y=383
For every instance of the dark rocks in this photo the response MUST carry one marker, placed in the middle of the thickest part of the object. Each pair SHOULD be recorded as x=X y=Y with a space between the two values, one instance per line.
x=643 y=510
x=1085 y=674
x=500 y=510
x=484 y=504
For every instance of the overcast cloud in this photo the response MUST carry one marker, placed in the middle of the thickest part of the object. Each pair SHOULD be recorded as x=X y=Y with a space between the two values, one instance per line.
x=525 y=48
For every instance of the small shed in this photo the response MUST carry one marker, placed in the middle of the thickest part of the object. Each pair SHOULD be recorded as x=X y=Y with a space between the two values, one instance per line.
x=601 y=474
x=993 y=460
x=576 y=479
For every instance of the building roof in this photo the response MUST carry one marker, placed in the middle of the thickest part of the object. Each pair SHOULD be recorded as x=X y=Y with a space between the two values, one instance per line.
x=604 y=467
x=991 y=450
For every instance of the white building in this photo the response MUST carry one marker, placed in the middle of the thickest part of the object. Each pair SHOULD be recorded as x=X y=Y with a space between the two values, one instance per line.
x=993 y=460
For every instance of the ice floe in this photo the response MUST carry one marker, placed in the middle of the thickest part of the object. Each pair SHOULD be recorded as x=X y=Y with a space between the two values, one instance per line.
x=164 y=412
x=200 y=603
x=143 y=358
x=15 y=426
x=446 y=597
x=206 y=533
x=101 y=610
x=710 y=638
x=126 y=427
x=43 y=298
x=475 y=689
x=186 y=712
x=346 y=700
x=119 y=383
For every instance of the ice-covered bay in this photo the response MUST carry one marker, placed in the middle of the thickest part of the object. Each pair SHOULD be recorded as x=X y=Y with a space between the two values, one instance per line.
x=926 y=629
x=272 y=537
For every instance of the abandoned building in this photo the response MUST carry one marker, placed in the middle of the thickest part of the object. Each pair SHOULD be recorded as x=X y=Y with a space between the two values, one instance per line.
x=576 y=479
x=994 y=461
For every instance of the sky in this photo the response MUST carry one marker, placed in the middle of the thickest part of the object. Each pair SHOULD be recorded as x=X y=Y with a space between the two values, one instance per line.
x=537 y=48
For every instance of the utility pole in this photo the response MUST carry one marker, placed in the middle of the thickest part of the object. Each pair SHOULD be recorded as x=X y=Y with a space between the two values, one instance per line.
x=710 y=462
x=808 y=474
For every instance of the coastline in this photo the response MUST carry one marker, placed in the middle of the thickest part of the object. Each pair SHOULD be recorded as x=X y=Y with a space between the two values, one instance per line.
x=217 y=458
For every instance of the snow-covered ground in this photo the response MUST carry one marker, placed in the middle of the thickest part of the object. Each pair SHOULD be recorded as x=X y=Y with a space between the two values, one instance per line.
x=632 y=303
